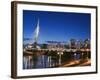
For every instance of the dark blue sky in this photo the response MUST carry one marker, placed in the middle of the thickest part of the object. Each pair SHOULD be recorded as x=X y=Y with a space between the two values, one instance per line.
x=56 y=26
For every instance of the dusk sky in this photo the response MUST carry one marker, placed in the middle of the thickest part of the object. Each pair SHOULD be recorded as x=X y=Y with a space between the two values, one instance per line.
x=56 y=26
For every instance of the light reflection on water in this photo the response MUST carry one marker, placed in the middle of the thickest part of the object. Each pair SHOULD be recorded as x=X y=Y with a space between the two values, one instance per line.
x=43 y=61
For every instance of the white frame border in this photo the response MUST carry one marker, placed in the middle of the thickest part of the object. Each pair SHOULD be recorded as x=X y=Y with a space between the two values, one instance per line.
x=21 y=72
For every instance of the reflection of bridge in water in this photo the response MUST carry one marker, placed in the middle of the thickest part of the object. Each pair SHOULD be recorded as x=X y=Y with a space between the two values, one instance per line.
x=47 y=58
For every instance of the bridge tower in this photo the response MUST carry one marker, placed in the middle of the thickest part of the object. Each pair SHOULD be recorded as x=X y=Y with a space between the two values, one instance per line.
x=36 y=35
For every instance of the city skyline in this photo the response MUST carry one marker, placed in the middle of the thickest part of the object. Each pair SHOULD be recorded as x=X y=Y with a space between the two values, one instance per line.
x=57 y=26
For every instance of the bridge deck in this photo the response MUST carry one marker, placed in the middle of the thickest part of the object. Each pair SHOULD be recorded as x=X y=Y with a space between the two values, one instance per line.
x=31 y=51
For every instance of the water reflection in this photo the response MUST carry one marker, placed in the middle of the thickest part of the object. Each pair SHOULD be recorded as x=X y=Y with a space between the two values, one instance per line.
x=42 y=61
x=51 y=60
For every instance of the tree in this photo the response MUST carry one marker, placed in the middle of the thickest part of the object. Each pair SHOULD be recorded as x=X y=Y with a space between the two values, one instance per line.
x=44 y=46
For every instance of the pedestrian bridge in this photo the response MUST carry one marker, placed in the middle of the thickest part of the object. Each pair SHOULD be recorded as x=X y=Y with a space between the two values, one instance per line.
x=40 y=51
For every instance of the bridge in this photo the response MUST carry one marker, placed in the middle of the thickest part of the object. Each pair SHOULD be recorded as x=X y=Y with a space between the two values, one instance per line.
x=58 y=57
x=41 y=51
